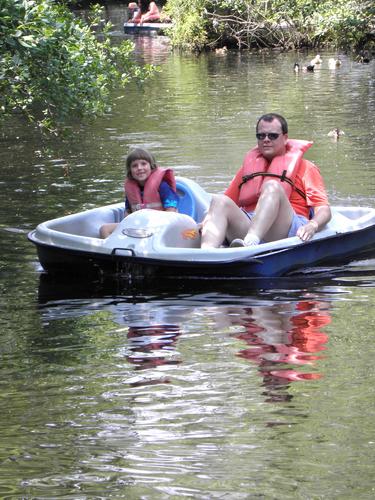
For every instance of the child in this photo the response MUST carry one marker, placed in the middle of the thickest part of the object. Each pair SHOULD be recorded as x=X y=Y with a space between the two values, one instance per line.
x=146 y=186
x=134 y=12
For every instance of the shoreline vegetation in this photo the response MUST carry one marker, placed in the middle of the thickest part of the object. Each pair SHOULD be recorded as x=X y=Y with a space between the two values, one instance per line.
x=56 y=67
x=275 y=24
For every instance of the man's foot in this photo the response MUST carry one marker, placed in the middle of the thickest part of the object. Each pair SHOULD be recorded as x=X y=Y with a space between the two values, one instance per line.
x=237 y=243
x=249 y=241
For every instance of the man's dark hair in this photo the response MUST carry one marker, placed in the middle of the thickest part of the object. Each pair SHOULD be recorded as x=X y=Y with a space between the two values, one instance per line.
x=269 y=117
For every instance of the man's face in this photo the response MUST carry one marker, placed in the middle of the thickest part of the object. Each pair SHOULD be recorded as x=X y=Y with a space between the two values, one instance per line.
x=271 y=147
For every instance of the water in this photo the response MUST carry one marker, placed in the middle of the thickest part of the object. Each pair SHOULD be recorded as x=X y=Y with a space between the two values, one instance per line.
x=201 y=390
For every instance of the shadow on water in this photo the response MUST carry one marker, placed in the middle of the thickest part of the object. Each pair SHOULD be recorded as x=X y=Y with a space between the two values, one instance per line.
x=51 y=287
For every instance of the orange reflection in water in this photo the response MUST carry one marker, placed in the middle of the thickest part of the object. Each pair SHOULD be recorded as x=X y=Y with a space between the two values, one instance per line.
x=279 y=337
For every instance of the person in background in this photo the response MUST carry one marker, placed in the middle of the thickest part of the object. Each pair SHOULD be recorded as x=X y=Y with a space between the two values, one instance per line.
x=143 y=12
x=134 y=12
x=152 y=14
x=146 y=186
x=275 y=194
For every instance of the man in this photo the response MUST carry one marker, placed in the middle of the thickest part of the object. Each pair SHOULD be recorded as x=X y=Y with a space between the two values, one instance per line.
x=275 y=194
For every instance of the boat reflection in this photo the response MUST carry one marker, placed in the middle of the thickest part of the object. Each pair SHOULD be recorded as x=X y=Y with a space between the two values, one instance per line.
x=282 y=330
x=152 y=49
x=284 y=340
x=152 y=335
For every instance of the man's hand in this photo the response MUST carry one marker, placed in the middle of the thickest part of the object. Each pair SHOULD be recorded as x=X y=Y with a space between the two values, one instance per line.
x=307 y=231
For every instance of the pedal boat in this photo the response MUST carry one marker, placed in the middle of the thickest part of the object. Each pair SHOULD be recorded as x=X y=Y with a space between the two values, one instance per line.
x=150 y=243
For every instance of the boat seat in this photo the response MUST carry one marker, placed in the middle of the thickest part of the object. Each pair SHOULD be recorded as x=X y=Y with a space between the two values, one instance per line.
x=186 y=202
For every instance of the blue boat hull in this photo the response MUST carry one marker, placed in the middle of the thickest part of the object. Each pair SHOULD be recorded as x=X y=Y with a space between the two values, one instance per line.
x=335 y=250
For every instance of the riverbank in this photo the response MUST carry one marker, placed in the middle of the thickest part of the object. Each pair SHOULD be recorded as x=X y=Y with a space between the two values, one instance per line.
x=257 y=24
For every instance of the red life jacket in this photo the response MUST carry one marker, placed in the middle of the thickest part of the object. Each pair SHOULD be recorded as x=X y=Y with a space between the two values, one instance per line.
x=256 y=169
x=151 y=196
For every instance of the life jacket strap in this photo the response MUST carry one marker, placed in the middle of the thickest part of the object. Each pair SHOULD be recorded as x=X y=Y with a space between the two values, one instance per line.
x=282 y=177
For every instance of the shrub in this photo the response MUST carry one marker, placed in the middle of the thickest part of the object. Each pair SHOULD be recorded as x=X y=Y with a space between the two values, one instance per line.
x=287 y=24
x=52 y=66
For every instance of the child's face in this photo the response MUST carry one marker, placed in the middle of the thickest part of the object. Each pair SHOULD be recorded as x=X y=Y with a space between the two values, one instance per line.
x=140 y=170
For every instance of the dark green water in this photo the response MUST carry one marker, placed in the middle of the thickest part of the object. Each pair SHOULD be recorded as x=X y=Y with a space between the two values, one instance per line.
x=236 y=390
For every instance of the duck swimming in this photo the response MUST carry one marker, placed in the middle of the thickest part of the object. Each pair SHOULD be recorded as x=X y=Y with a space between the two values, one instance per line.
x=364 y=57
x=308 y=68
x=317 y=60
x=334 y=63
x=221 y=51
x=336 y=133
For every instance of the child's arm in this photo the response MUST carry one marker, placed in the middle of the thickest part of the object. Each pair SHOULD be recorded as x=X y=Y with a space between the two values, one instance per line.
x=169 y=198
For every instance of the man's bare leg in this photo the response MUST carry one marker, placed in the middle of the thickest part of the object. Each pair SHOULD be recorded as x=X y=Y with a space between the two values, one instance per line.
x=273 y=213
x=223 y=220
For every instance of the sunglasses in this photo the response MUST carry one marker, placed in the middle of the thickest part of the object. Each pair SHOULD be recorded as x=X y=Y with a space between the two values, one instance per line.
x=272 y=136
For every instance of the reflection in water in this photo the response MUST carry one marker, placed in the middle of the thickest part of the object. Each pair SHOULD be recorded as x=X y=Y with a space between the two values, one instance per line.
x=152 y=334
x=282 y=337
x=152 y=50
x=152 y=345
x=277 y=342
x=161 y=388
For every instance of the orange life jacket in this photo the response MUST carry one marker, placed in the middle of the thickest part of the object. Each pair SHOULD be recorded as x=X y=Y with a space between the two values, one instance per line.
x=284 y=168
x=151 y=196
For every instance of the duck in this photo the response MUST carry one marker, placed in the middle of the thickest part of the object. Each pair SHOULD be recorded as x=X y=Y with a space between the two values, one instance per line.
x=296 y=67
x=334 y=63
x=364 y=57
x=221 y=50
x=308 y=68
x=316 y=61
x=336 y=133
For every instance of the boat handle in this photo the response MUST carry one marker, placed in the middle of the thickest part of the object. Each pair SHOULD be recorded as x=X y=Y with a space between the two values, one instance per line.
x=131 y=251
